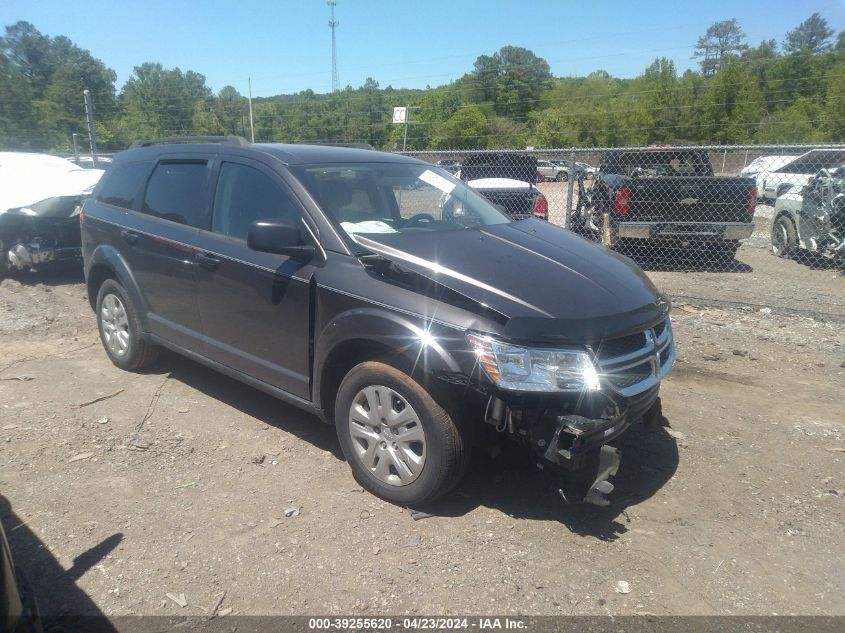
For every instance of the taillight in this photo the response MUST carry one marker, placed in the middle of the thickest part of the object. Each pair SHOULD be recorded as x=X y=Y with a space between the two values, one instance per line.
x=81 y=216
x=541 y=207
x=622 y=201
x=752 y=200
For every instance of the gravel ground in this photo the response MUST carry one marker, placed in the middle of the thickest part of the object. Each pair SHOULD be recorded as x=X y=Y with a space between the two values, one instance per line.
x=125 y=493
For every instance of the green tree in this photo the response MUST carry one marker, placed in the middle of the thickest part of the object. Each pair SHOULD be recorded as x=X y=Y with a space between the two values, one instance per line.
x=512 y=79
x=232 y=110
x=720 y=40
x=42 y=80
x=811 y=36
x=466 y=129
x=157 y=102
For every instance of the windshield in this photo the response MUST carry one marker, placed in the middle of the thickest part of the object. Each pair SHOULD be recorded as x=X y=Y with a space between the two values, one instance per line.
x=369 y=198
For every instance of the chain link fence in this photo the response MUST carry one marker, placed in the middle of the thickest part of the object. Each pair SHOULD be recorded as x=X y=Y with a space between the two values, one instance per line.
x=689 y=215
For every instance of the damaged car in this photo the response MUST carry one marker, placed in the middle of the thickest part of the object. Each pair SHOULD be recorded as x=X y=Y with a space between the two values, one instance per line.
x=40 y=199
x=812 y=221
x=386 y=297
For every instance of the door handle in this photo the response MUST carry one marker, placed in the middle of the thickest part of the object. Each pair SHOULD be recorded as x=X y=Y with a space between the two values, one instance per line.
x=129 y=236
x=207 y=261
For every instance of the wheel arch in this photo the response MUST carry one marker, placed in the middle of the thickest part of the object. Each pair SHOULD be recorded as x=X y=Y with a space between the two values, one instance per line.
x=374 y=334
x=107 y=263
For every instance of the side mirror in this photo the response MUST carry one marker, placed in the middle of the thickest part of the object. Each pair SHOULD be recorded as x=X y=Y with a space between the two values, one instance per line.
x=279 y=236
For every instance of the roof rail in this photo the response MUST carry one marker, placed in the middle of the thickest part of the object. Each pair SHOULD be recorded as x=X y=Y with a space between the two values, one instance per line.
x=228 y=140
x=352 y=145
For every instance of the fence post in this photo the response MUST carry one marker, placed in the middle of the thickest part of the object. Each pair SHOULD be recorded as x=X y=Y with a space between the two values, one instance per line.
x=75 y=147
x=724 y=157
x=567 y=216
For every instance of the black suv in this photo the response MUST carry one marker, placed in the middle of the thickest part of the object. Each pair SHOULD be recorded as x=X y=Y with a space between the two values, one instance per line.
x=385 y=296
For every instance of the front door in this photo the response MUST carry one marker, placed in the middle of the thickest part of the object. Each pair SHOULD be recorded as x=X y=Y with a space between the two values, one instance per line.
x=255 y=307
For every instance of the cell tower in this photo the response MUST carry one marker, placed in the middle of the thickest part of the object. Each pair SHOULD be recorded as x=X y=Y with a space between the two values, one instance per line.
x=333 y=24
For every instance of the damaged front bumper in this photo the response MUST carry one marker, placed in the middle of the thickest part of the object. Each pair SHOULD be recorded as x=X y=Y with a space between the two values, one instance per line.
x=34 y=254
x=29 y=240
x=570 y=440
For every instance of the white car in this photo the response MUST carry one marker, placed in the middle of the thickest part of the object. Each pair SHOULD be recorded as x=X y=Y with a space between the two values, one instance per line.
x=797 y=172
x=764 y=163
x=40 y=197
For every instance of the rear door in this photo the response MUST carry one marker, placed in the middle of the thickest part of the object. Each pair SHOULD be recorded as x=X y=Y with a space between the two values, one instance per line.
x=160 y=245
x=255 y=307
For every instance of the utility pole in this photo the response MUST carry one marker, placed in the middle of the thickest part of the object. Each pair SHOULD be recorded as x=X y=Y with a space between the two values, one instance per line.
x=407 y=122
x=251 y=126
x=92 y=134
x=333 y=24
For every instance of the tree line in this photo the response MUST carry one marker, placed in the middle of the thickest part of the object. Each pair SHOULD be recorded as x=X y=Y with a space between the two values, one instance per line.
x=792 y=91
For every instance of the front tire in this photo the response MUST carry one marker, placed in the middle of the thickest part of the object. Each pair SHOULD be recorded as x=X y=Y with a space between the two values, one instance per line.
x=120 y=328
x=400 y=444
x=784 y=237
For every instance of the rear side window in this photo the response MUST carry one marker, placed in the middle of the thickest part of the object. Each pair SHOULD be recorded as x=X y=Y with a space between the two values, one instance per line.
x=245 y=195
x=123 y=184
x=175 y=192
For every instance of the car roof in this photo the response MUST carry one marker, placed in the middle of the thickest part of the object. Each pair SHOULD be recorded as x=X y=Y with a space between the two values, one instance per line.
x=290 y=154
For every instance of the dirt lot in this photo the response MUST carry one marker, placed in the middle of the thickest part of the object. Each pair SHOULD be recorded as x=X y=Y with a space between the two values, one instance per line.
x=119 y=489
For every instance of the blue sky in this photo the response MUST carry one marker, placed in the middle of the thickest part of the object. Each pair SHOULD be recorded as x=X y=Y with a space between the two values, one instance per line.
x=285 y=45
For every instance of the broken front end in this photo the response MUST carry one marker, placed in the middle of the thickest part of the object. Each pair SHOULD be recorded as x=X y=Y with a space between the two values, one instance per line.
x=46 y=232
x=565 y=405
x=821 y=227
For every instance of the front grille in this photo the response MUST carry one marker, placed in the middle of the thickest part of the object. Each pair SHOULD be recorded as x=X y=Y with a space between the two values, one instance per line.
x=633 y=364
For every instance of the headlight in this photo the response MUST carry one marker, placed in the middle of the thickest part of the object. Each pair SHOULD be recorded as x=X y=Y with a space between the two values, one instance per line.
x=531 y=369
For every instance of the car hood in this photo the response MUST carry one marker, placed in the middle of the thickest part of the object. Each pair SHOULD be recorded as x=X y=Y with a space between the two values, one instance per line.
x=549 y=284
x=26 y=179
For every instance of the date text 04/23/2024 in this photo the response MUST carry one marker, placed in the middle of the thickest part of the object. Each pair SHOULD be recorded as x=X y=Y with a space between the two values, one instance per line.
x=417 y=623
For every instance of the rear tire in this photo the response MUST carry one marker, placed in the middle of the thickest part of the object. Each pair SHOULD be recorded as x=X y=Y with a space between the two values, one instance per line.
x=784 y=237
x=120 y=328
x=400 y=444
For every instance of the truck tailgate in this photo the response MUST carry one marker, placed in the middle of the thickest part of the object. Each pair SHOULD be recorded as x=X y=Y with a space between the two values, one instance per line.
x=690 y=199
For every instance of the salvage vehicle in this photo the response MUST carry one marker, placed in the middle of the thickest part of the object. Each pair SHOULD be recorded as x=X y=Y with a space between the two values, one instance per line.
x=40 y=198
x=763 y=164
x=508 y=180
x=772 y=183
x=668 y=198
x=383 y=295
x=812 y=221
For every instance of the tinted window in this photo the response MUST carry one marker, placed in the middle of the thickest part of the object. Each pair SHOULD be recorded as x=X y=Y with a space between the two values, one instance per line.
x=175 y=192
x=245 y=195
x=122 y=185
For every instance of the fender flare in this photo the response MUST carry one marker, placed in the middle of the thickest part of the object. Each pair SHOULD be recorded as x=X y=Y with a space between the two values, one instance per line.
x=355 y=330
x=109 y=257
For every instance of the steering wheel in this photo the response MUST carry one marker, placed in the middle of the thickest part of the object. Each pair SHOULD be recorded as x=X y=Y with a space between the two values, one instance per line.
x=416 y=219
